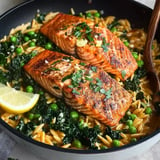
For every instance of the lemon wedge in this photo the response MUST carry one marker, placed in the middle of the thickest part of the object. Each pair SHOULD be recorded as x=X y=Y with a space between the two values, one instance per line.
x=14 y=101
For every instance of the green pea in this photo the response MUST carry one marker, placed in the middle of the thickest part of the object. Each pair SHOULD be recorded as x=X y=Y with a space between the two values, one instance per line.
x=81 y=124
x=26 y=38
x=32 y=44
x=18 y=50
x=133 y=140
x=29 y=89
x=31 y=116
x=114 y=29
x=13 y=39
x=97 y=14
x=76 y=143
x=54 y=107
x=132 y=130
x=74 y=115
x=132 y=116
x=37 y=115
x=31 y=33
x=148 y=110
x=88 y=14
x=129 y=122
x=116 y=143
x=140 y=63
x=126 y=43
x=48 y=46
x=135 y=55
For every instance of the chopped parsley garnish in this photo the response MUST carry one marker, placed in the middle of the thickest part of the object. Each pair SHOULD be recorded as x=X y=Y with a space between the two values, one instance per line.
x=66 y=77
x=82 y=30
x=123 y=73
x=88 y=78
x=70 y=86
x=96 y=87
x=56 y=62
x=90 y=72
x=82 y=63
x=77 y=33
x=99 y=82
x=77 y=78
x=89 y=37
x=104 y=45
x=75 y=92
x=103 y=91
x=92 y=86
x=78 y=30
x=94 y=69
x=52 y=69
x=108 y=94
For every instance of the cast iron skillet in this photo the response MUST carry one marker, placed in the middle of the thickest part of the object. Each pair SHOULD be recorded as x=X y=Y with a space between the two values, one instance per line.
x=136 y=13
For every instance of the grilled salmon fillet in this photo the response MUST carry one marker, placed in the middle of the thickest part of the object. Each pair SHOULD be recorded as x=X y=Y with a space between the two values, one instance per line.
x=84 y=87
x=92 y=43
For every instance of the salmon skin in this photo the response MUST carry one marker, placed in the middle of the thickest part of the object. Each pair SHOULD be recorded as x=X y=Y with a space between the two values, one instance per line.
x=84 y=87
x=91 y=42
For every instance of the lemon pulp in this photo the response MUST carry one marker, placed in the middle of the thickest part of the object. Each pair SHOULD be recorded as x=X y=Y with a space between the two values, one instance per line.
x=14 y=101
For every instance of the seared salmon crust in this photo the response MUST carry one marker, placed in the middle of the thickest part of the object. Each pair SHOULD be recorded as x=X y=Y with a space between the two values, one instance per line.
x=92 y=43
x=86 y=88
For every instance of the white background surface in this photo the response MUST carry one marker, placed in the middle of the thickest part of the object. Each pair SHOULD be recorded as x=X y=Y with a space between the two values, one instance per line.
x=21 y=153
